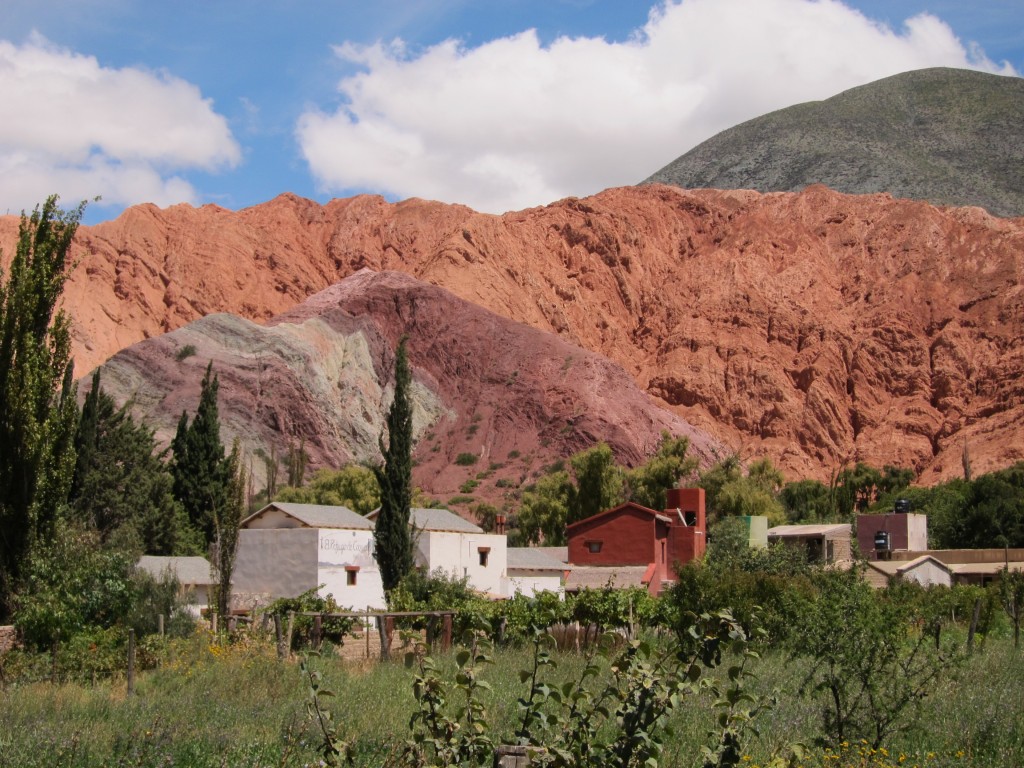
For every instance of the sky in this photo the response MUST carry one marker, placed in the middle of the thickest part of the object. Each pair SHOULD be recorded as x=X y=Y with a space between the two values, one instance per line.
x=496 y=104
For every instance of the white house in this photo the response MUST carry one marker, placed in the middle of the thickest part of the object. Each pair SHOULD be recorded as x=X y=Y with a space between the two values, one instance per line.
x=459 y=548
x=534 y=569
x=286 y=549
x=193 y=574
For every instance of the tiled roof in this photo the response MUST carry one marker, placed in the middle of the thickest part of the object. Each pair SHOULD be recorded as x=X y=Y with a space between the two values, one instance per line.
x=319 y=515
x=441 y=520
x=533 y=559
x=188 y=571
x=601 y=576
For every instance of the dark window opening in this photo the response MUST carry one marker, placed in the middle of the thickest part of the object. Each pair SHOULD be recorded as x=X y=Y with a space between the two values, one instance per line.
x=593 y=547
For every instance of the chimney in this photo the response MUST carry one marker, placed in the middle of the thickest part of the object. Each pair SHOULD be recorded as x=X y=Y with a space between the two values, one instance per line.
x=499 y=524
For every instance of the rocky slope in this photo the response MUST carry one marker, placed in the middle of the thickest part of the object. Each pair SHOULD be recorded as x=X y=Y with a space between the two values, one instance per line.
x=817 y=327
x=950 y=136
x=513 y=397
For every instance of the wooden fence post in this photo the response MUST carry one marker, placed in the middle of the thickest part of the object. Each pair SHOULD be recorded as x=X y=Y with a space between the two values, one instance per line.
x=279 y=636
x=317 y=638
x=446 y=636
x=385 y=636
x=288 y=635
x=131 y=661
x=974 y=626
x=160 y=624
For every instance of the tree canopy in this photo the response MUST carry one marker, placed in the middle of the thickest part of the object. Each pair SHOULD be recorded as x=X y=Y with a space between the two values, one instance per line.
x=38 y=412
x=392 y=538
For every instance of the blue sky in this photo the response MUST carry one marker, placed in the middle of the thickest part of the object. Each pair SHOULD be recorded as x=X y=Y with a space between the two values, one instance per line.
x=497 y=104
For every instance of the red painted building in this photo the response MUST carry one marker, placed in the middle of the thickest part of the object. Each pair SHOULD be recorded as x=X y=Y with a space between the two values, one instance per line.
x=631 y=535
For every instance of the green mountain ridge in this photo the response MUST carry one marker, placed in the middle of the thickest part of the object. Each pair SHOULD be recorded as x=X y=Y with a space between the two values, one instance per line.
x=947 y=136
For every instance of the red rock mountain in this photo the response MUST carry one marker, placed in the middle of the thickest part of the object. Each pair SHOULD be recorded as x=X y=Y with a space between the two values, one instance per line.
x=506 y=397
x=817 y=327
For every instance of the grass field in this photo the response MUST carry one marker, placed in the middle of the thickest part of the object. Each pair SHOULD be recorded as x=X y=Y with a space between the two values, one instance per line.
x=213 y=704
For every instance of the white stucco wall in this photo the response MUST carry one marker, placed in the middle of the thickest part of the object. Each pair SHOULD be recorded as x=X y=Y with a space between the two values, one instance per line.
x=458 y=554
x=928 y=573
x=339 y=549
x=532 y=582
x=276 y=562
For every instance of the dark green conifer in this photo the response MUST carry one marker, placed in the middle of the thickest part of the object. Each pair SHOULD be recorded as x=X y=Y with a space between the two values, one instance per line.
x=392 y=536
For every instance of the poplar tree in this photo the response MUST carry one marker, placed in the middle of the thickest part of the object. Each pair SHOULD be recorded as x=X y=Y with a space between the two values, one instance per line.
x=38 y=412
x=227 y=517
x=392 y=537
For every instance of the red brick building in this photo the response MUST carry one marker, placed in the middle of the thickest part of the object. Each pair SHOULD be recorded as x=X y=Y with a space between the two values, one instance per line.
x=633 y=535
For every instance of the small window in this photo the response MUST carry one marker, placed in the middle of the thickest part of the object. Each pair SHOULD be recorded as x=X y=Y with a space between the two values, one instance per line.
x=593 y=547
x=483 y=552
x=351 y=574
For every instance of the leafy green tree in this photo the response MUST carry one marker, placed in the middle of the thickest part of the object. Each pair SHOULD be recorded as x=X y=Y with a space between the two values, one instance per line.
x=73 y=585
x=806 y=501
x=392 y=538
x=648 y=483
x=715 y=477
x=353 y=486
x=544 y=511
x=871 y=671
x=227 y=518
x=199 y=468
x=38 y=411
x=1011 y=594
x=600 y=483
x=121 y=487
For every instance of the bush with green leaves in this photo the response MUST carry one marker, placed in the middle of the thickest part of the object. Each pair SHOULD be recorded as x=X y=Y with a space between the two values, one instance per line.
x=871 y=665
x=333 y=629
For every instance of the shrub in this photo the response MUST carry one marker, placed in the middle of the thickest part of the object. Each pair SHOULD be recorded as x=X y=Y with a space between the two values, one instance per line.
x=466 y=459
x=185 y=352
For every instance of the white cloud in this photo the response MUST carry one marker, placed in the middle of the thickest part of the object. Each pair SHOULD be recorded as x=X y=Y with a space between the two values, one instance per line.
x=512 y=123
x=73 y=127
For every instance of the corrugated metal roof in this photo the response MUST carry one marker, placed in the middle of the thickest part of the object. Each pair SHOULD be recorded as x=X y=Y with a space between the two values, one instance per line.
x=559 y=553
x=189 y=571
x=601 y=576
x=318 y=515
x=827 y=529
x=983 y=569
x=441 y=520
x=533 y=559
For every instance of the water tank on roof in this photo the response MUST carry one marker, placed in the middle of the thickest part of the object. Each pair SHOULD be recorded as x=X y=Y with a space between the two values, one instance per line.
x=901 y=505
x=882 y=541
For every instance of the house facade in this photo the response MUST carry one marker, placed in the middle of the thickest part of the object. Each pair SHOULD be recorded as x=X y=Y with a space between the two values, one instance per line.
x=827 y=543
x=461 y=549
x=286 y=549
x=531 y=570
x=634 y=536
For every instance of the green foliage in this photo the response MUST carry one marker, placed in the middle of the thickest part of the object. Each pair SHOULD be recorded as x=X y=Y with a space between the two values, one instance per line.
x=333 y=749
x=544 y=511
x=1011 y=594
x=647 y=483
x=600 y=483
x=487 y=516
x=807 y=501
x=872 y=668
x=227 y=518
x=37 y=402
x=352 y=486
x=121 y=488
x=450 y=726
x=730 y=493
x=392 y=538
x=72 y=586
x=199 y=467
x=466 y=459
x=185 y=352
x=333 y=629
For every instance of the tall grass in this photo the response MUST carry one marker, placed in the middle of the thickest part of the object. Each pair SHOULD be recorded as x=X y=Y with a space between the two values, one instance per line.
x=213 y=704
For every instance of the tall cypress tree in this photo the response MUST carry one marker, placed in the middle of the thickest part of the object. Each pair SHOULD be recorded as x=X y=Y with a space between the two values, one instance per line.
x=392 y=537
x=199 y=466
x=38 y=411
